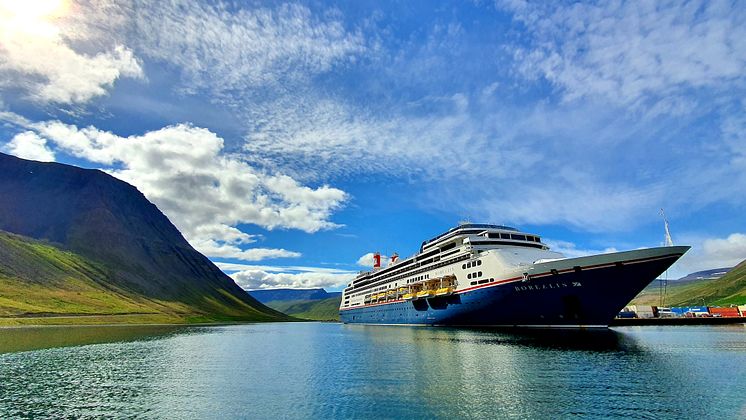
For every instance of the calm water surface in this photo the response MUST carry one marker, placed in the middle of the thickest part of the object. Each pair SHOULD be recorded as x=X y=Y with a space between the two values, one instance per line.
x=314 y=370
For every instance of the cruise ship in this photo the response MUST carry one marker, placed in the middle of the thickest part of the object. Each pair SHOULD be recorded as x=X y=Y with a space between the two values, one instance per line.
x=492 y=275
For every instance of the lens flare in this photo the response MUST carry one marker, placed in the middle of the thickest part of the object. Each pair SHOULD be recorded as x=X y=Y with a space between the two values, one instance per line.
x=31 y=17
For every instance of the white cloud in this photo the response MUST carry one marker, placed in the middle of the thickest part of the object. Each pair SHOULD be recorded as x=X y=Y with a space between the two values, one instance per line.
x=571 y=250
x=204 y=191
x=319 y=135
x=444 y=151
x=224 y=48
x=224 y=249
x=733 y=130
x=28 y=145
x=708 y=253
x=726 y=251
x=634 y=53
x=233 y=267
x=258 y=279
x=36 y=57
x=367 y=260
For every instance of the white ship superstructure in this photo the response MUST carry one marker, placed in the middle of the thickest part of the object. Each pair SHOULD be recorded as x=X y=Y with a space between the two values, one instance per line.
x=465 y=256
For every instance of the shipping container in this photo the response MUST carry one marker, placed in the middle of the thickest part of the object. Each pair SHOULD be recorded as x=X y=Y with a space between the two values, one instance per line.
x=690 y=311
x=702 y=309
x=666 y=313
x=724 y=312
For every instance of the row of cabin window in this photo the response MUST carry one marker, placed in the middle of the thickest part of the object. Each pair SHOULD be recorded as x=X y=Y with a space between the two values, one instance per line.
x=441 y=264
x=474 y=283
x=474 y=275
x=514 y=237
x=423 y=277
x=471 y=264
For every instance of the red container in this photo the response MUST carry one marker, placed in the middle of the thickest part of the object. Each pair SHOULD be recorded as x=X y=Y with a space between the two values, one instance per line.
x=724 y=312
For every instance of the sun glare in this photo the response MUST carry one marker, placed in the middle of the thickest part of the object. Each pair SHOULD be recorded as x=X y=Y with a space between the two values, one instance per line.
x=31 y=16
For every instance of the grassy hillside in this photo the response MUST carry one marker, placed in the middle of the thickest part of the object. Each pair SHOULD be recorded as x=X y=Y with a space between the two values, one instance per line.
x=727 y=290
x=317 y=310
x=112 y=227
x=40 y=283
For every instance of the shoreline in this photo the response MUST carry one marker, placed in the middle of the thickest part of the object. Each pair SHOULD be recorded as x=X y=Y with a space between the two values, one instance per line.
x=623 y=322
x=125 y=320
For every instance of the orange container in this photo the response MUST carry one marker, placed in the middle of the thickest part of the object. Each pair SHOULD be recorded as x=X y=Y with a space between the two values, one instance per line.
x=724 y=312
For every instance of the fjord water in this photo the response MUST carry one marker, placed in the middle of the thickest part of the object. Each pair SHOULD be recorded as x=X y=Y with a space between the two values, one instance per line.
x=324 y=370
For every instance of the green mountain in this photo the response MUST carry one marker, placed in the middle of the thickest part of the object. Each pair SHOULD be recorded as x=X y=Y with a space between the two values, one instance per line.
x=116 y=236
x=726 y=290
x=40 y=281
x=313 y=309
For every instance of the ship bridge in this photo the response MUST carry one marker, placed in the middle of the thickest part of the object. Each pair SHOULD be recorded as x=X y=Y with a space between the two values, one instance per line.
x=483 y=234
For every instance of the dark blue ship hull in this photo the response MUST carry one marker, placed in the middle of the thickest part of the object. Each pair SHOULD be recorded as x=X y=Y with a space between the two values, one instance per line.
x=580 y=297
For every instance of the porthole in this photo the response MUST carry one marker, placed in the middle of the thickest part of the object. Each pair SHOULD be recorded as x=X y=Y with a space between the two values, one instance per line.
x=480 y=274
x=479 y=262
x=463 y=266
x=468 y=276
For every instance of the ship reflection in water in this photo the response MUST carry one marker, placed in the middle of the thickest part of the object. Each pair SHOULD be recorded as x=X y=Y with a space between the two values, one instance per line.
x=311 y=370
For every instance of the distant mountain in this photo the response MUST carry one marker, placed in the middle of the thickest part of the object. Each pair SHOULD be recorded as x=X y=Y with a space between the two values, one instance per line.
x=270 y=295
x=726 y=290
x=111 y=225
x=315 y=310
x=705 y=275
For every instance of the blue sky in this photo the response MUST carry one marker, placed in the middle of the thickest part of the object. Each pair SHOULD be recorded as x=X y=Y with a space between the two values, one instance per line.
x=289 y=140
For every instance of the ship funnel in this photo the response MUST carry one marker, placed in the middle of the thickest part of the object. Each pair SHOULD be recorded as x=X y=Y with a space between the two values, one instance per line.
x=394 y=258
x=377 y=260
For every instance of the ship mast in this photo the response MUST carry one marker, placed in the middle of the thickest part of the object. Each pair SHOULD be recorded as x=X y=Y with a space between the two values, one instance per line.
x=662 y=291
x=669 y=241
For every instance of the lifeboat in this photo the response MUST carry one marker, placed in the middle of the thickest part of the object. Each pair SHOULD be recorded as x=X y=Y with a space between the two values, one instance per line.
x=444 y=291
x=426 y=294
x=408 y=296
